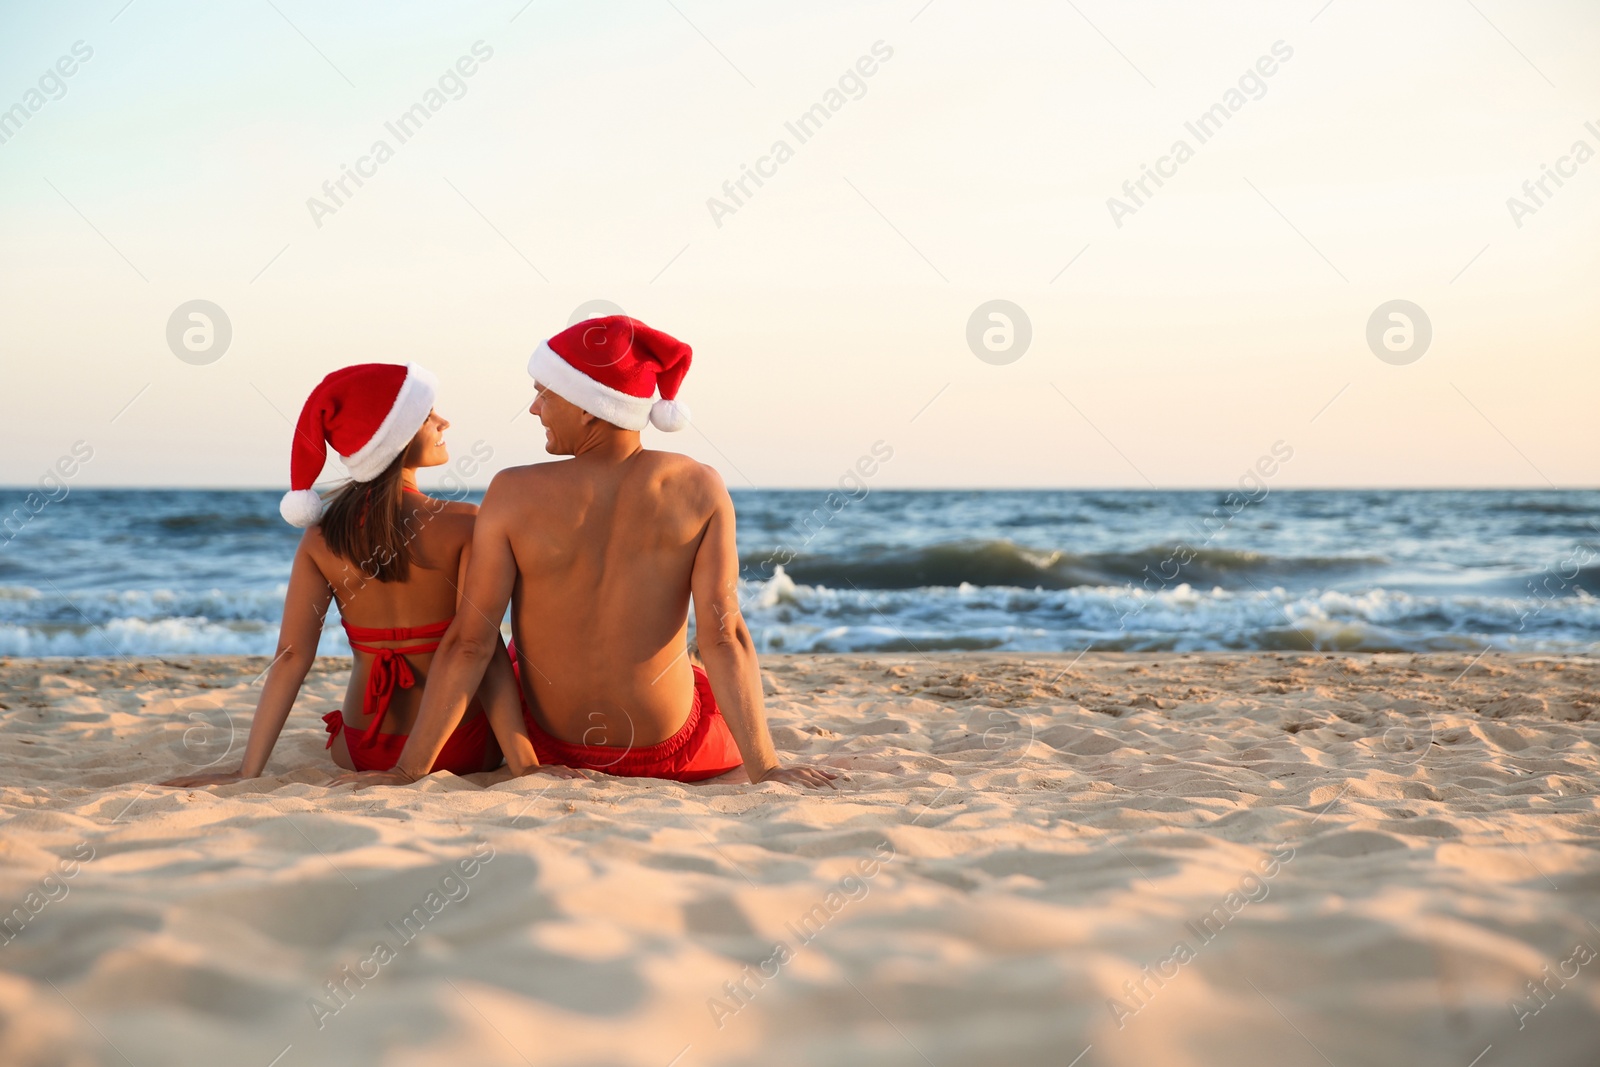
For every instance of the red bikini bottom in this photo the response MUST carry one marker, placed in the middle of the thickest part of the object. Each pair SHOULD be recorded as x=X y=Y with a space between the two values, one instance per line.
x=470 y=749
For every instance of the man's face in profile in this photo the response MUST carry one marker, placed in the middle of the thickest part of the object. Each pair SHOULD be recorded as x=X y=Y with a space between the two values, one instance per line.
x=563 y=421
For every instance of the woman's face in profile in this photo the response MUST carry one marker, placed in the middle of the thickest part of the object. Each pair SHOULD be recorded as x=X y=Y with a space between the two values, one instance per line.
x=430 y=449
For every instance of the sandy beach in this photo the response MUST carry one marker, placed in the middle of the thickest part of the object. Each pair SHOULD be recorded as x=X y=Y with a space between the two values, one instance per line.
x=1124 y=860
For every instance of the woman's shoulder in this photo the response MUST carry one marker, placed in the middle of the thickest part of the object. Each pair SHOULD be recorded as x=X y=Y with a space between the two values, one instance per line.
x=450 y=519
x=442 y=506
x=314 y=549
x=311 y=539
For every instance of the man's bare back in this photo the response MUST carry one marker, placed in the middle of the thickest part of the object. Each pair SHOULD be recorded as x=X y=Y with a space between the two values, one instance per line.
x=605 y=550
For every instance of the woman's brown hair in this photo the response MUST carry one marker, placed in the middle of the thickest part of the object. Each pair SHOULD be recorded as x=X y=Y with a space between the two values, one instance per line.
x=371 y=524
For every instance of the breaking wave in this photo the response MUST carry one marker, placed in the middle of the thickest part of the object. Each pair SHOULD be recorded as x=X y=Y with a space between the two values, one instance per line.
x=1003 y=563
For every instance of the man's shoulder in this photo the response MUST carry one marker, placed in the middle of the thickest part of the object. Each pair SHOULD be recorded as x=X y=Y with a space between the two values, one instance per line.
x=678 y=465
x=523 y=494
x=510 y=480
x=684 y=476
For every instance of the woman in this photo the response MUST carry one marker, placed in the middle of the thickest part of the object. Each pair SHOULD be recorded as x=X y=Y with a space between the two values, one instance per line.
x=393 y=558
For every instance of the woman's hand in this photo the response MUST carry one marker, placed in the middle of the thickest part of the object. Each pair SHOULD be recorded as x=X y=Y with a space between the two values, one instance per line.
x=200 y=781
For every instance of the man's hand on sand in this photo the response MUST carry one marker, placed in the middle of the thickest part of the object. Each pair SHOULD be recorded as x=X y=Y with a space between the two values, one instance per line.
x=555 y=770
x=364 y=778
x=798 y=774
x=360 y=779
x=200 y=781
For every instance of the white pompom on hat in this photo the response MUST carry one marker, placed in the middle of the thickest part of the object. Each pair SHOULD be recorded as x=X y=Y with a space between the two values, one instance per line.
x=367 y=414
x=669 y=415
x=612 y=367
x=301 y=507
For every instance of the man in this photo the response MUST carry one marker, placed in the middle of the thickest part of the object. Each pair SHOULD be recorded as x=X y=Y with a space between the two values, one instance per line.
x=599 y=556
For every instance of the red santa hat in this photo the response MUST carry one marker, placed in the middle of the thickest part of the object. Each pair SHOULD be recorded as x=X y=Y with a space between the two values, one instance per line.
x=368 y=413
x=612 y=367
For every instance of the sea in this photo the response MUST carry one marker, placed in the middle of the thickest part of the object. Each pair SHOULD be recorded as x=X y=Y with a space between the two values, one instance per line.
x=106 y=572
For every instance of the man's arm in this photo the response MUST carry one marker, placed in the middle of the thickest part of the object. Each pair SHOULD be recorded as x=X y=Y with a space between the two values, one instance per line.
x=501 y=698
x=470 y=643
x=730 y=654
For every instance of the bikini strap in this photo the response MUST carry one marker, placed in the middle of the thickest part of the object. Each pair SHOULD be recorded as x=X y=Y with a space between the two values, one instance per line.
x=398 y=633
x=390 y=671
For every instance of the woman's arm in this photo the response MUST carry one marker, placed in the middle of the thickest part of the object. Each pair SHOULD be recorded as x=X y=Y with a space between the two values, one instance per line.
x=305 y=607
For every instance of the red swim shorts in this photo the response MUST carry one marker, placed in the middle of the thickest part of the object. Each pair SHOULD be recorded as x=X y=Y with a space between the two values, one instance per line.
x=703 y=748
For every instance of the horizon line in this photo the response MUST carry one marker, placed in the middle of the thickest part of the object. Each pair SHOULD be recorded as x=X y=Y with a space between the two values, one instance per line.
x=921 y=489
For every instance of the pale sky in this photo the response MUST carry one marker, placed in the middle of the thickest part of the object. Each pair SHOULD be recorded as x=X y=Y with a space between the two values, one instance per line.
x=830 y=310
